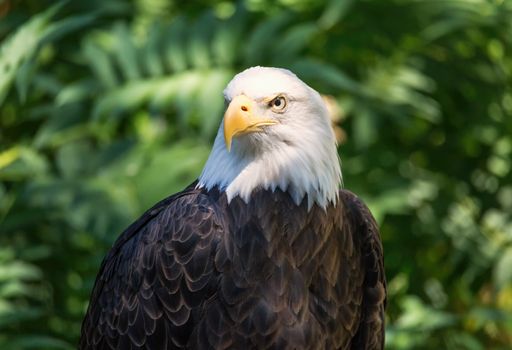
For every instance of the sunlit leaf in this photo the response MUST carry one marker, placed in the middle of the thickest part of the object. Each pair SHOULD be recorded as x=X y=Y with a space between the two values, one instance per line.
x=21 y=46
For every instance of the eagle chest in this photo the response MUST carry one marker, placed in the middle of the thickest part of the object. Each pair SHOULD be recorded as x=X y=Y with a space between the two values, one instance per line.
x=283 y=273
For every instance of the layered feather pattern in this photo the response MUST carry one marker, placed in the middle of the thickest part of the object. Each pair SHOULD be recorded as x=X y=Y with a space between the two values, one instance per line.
x=197 y=272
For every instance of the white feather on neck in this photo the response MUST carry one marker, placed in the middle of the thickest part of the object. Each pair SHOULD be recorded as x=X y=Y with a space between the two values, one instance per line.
x=299 y=157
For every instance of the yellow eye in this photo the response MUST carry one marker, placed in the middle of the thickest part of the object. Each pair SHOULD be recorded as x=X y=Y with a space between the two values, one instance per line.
x=278 y=103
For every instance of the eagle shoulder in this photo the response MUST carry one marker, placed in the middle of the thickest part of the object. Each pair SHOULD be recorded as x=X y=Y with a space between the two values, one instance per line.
x=154 y=277
x=370 y=333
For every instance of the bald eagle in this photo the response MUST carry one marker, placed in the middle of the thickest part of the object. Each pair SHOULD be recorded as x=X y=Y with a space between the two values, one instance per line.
x=263 y=251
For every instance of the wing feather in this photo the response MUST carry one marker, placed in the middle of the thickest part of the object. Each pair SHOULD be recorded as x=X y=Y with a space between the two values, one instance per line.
x=157 y=272
x=370 y=331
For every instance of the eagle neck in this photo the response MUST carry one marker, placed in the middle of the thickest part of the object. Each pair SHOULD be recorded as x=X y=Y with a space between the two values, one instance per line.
x=313 y=173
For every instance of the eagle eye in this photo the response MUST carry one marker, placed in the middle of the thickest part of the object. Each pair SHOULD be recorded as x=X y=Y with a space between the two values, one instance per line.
x=278 y=104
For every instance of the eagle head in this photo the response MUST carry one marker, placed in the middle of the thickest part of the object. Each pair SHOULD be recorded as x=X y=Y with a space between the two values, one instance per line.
x=276 y=133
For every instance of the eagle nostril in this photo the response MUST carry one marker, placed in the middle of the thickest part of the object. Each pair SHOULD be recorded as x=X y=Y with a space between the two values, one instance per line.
x=244 y=108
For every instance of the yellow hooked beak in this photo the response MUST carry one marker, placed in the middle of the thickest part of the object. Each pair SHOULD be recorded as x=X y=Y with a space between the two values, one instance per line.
x=239 y=119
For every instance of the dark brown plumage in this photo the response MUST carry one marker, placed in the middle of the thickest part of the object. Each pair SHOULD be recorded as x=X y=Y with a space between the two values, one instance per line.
x=195 y=272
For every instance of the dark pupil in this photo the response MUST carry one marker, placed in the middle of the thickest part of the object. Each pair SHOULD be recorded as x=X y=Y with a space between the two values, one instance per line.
x=277 y=102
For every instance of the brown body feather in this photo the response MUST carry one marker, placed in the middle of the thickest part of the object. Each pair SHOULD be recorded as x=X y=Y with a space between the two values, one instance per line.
x=195 y=272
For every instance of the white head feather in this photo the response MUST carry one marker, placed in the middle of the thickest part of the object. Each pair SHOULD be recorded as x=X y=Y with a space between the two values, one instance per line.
x=297 y=155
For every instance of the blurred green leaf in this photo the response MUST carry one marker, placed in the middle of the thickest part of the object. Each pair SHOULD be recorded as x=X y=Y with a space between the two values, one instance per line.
x=17 y=54
x=125 y=53
x=334 y=12
x=21 y=46
x=257 y=43
x=503 y=272
x=33 y=341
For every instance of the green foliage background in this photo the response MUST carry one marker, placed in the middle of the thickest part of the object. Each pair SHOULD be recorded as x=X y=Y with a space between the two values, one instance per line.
x=108 y=106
